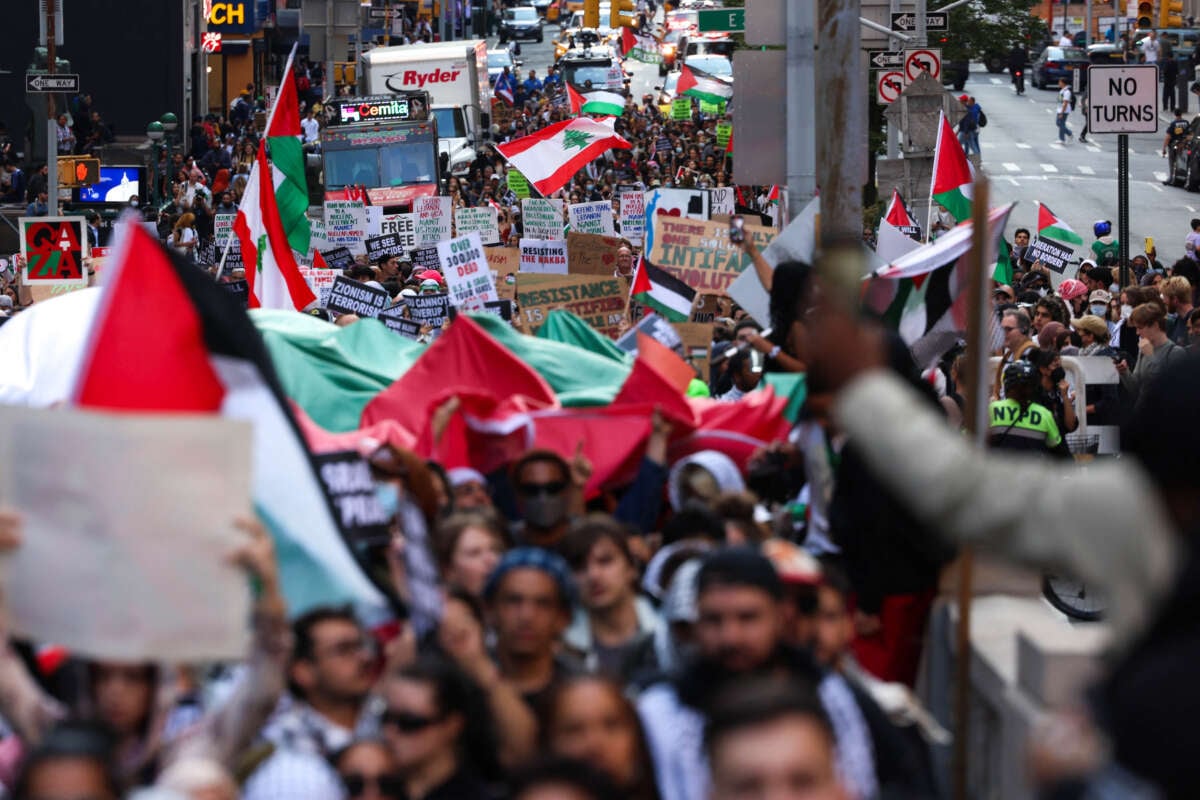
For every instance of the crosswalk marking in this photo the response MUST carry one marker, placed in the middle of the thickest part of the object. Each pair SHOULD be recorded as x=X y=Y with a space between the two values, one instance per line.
x=1160 y=176
x=996 y=81
x=1156 y=187
x=1086 y=170
x=1023 y=146
x=1189 y=208
x=1013 y=181
x=1011 y=167
x=1049 y=168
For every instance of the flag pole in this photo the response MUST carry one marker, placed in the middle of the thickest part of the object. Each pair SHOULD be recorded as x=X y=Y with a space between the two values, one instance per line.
x=976 y=424
x=287 y=70
x=933 y=174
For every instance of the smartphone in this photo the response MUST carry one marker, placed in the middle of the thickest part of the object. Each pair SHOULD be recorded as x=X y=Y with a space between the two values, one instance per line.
x=1149 y=243
x=737 y=229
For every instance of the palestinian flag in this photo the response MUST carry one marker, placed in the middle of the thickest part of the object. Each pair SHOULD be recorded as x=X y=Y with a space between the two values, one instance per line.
x=271 y=271
x=923 y=294
x=163 y=337
x=639 y=48
x=698 y=83
x=899 y=232
x=550 y=157
x=953 y=174
x=287 y=161
x=662 y=291
x=597 y=102
x=1052 y=227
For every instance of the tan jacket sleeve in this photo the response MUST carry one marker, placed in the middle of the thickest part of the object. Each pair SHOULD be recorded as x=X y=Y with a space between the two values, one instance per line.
x=1103 y=524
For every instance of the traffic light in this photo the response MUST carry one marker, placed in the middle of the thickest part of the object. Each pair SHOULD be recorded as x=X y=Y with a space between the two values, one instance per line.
x=1170 y=14
x=591 y=13
x=618 y=20
x=76 y=171
x=1145 y=15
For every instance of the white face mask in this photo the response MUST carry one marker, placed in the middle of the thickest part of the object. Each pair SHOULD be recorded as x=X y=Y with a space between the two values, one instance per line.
x=1097 y=309
x=1126 y=310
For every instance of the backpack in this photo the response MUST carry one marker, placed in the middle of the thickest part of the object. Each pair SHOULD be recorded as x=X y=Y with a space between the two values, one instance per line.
x=982 y=119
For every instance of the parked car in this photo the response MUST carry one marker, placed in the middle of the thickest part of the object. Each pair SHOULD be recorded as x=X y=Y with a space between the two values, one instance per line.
x=1183 y=165
x=1106 y=53
x=1057 y=62
x=954 y=73
x=520 y=23
x=667 y=91
x=497 y=60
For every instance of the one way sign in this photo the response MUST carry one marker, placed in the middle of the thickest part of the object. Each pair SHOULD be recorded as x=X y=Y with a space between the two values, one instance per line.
x=906 y=22
x=886 y=59
x=42 y=83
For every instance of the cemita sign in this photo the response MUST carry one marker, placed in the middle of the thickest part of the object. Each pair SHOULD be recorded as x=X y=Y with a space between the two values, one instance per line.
x=373 y=110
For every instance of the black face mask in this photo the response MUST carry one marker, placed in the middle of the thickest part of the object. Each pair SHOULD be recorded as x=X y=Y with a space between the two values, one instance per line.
x=1057 y=376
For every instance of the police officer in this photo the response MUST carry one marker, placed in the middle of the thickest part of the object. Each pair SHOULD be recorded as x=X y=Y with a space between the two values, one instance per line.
x=1017 y=422
x=1175 y=132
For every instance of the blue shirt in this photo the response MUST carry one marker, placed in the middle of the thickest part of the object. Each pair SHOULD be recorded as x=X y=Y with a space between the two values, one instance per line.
x=532 y=85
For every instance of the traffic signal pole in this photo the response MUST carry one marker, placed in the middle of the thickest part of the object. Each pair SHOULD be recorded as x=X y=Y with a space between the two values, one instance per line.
x=51 y=124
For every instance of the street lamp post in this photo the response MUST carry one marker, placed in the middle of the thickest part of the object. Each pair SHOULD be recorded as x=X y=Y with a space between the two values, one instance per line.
x=155 y=131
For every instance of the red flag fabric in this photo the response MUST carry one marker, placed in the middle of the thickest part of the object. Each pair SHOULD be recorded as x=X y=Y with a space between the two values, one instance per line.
x=577 y=100
x=285 y=118
x=665 y=361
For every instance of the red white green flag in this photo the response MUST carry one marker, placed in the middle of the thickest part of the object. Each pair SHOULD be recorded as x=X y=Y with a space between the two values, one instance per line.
x=552 y=156
x=698 y=83
x=953 y=174
x=1052 y=227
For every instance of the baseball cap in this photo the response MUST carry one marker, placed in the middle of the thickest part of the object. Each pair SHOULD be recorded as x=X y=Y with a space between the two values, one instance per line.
x=1100 y=296
x=1093 y=325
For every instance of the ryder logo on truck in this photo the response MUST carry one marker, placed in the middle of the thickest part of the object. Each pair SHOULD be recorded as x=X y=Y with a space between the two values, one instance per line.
x=411 y=78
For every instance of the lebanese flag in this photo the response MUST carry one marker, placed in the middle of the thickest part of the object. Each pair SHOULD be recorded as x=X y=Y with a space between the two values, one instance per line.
x=899 y=232
x=923 y=294
x=271 y=270
x=1052 y=227
x=161 y=336
x=698 y=83
x=550 y=157
x=953 y=175
x=287 y=161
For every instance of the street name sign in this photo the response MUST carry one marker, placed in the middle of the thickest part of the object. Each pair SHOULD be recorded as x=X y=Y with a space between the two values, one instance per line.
x=721 y=19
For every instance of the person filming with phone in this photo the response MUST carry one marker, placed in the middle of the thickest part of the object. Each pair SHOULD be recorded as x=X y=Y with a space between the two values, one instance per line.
x=1155 y=348
x=788 y=283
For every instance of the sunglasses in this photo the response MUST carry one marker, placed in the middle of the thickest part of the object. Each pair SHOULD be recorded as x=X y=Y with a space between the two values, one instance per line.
x=388 y=785
x=532 y=489
x=407 y=722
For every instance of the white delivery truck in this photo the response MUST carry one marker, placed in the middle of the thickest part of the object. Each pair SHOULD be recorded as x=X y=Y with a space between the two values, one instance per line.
x=454 y=74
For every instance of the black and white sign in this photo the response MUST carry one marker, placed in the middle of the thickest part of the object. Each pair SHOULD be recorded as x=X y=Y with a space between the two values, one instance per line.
x=338 y=258
x=351 y=297
x=886 y=59
x=424 y=258
x=240 y=290
x=501 y=308
x=905 y=22
x=393 y=318
x=1054 y=255
x=1123 y=99
x=923 y=60
x=347 y=480
x=38 y=83
x=385 y=246
x=429 y=309
x=656 y=328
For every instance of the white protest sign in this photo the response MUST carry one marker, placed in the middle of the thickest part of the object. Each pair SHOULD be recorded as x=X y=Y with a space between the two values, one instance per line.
x=633 y=216
x=592 y=217
x=403 y=225
x=1123 y=99
x=432 y=219
x=468 y=278
x=321 y=282
x=318 y=240
x=543 y=218
x=223 y=228
x=484 y=221
x=722 y=201
x=544 y=255
x=346 y=225
x=374 y=217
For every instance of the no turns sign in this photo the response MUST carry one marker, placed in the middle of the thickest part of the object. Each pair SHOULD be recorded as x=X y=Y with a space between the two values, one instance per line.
x=924 y=60
x=1123 y=99
x=888 y=86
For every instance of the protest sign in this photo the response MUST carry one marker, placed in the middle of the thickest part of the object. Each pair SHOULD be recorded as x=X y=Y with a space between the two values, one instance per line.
x=506 y=285
x=240 y=290
x=518 y=184
x=592 y=217
x=385 y=246
x=432 y=215
x=429 y=309
x=656 y=328
x=374 y=220
x=722 y=200
x=338 y=258
x=543 y=218
x=1055 y=255
x=724 y=132
x=317 y=240
x=699 y=252
x=468 y=276
x=394 y=321
x=713 y=109
x=690 y=203
x=697 y=339
x=590 y=254
x=503 y=260
x=483 y=220
x=351 y=297
x=541 y=255
x=681 y=108
x=53 y=250
x=403 y=225
x=710 y=306
x=424 y=258
x=223 y=228
x=96 y=491
x=633 y=216
x=321 y=282
x=599 y=301
x=502 y=308
x=346 y=224
x=347 y=479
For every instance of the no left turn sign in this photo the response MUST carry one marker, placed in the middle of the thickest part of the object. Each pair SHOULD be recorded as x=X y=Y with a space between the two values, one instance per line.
x=888 y=87
x=924 y=60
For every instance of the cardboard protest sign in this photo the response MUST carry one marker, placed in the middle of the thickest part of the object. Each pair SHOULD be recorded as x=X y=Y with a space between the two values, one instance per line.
x=722 y=200
x=347 y=479
x=633 y=216
x=426 y=257
x=338 y=258
x=432 y=219
x=1054 y=255
x=592 y=217
x=240 y=290
x=539 y=255
x=351 y=297
x=542 y=218
x=518 y=183
x=697 y=342
x=394 y=320
x=484 y=221
x=403 y=225
x=699 y=252
x=429 y=309
x=503 y=260
x=321 y=282
x=53 y=250
x=710 y=306
x=681 y=108
x=468 y=276
x=385 y=246
x=346 y=224
x=599 y=301
x=223 y=228
x=506 y=286
x=590 y=254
